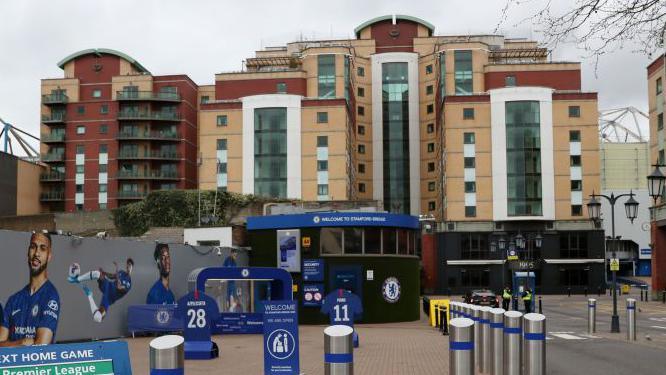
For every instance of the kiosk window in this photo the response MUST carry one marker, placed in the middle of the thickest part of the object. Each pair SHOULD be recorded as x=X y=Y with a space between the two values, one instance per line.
x=373 y=240
x=353 y=241
x=331 y=241
x=403 y=241
x=389 y=240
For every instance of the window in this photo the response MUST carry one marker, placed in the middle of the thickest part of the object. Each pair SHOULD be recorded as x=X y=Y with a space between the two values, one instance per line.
x=360 y=92
x=353 y=240
x=463 y=72
x=390 y=241
x=469 y=138
x=431 y=186
x=221 y=145
x=470 y=187
x=373 y=240
x=205 y=99
x=361 y=149
x=80 y=109
x=330 y=241
x=79 y=188
x=103 y=129
x=574 y=277
x=470 y=211
x=322 y=141
x=574 y=111
x=79 y=207
x=81 y=129
x=103 y=168
x=430 y=108
x=360 y=71
x=576 y=185
x=326 y=76
x=102 y=206
x=102 y=188
x=574 y=136
x=573 y=245
x=97 y=93
x=79 y=168
x=361 y=110
x=475 y=278
x=470 y=162
x=431 y=206
x=270 y=152
x=429 y=90
x=430 y=128
x=659 y=86
x=221 y=168
x=468 y=113
x=361 y=130
x=281 y=88
x=661 y=157
x=222 y=120
x=576 y=210
x=322 y=117
x=431 y=167
x=574 y=160
x=322 y=165
x=103 y=149
x=474 y=245
x=428 y=69
x=510 y=81
x=322 y=189
x=361 y=168
x=660 y=121
x=80 y=149
x=431 y=147
x=361 y=188
x=104 y=109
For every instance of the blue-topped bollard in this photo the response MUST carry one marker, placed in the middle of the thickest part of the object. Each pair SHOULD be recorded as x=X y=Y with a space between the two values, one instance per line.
x=338 y=350
x=513 y=330
x=534 y=336
x=497 y=341
x=461 y=347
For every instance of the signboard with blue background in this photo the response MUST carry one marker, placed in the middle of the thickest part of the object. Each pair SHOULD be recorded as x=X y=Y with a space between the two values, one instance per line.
x=281 y=338
x=313 y=270
x=333 y=219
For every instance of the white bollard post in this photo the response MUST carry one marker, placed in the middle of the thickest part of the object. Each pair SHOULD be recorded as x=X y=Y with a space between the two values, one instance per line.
x=338 y=350
x=476 y=317
x=591 y=316
x=461 y=347
x=486 y=342
x=497 y=341
x=513 y=331
x=534 y=356
x=631 y=319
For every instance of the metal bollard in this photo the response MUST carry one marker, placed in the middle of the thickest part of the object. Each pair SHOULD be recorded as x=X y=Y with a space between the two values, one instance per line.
x=497 y=341
x=167 y=355
x=540 y=306
x=436 y=311
x=534 y=344
x=569 y=292
x=585 y=291
x=631 y=319
x=513 y=330
x=461 y=347
x=443 y=320
x=338 y=350
x=663 y=296
x=476 y=317
x=486 y=342
x=599 y=291
x=591 y=316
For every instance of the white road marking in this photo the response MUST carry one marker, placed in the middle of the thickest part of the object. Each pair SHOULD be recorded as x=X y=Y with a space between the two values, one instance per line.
x=659 y=327
x=567 y=336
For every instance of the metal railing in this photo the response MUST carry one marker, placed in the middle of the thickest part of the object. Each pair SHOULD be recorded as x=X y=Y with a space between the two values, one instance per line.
x=148 y=155
x=148 y=135
x=125 y=114
x=132 y=194
x=53 y=137
x=53 y=118
x=147 y=95
x=160 y=175
x=53 y=157
x=52 y=176
x=55 y=99
x=52 y=196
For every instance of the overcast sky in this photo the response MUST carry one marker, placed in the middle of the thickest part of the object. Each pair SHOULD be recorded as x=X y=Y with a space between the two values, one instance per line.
x=202 y=37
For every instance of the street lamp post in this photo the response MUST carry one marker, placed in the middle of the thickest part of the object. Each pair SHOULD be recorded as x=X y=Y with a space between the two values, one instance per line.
x=594 y=211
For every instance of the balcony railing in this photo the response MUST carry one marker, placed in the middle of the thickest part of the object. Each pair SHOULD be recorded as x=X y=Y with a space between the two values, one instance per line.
x=132 y=194
x=148 y=95
x=148 y=155
x=52 y=176
x=148 y=175
x=125 y=114
x=52 y=196
x=53 y=118
x=55 y=99
x=156 y=135
x=53 y=157
x=53 y=138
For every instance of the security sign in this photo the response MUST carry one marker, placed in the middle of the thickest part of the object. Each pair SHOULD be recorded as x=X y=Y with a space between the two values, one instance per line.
x=614 y=264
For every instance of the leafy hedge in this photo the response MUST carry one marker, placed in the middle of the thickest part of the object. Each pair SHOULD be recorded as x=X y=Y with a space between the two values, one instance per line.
x=167 y=208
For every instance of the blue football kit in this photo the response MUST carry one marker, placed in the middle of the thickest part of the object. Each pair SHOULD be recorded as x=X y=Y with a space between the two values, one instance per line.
x=198 y=312
x=159 y=295
x=110 y=291
x=24 y=313
x=342 y=307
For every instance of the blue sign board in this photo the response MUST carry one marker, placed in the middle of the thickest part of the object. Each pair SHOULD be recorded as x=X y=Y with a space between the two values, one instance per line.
x=85 y=358
x=313 y=294
x=281 y=338
x=333 y=219
x=313 y=270
x=647 y=251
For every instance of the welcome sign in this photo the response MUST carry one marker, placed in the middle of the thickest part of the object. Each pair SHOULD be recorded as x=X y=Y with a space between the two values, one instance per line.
x=101 y=358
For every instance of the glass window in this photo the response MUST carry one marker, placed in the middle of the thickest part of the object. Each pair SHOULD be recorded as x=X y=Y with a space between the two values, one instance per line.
x=429 y=90
x=322 y=189
x=81 y=109
x=326 y=76
x=97 y=93
x=431 y=147
x=222 y=120
x=79 y=168
x=573 y=244
x=660 y=121
x=79 y=188
x=468 y=113
x=221 y=144
x=373 y=240
x=431 y=186
x=103 y=149
x=281 y=88
x=470 y=211
x=270 y=152
x=661 y=157
x=361 y=168
x=102 y=188
x=361 y=129
x=361 y=187
x=322 y=165
x=576 y=210
x=361 y=110
x=428 y=69
x=463 y=72
x=431 y=206
x=389 y=237
x=470 y=187
x=430 y=128
x=575 y=160
x=360 y=71
x=80 y=149
x=103 y=168
x=659 y=86
x=104 y=109
x=510 y=81
x=469 y=138
x=102 y=206
x=322 y=117
x=576 y=185
x=442 y=75
x=475 y=277
x=574 y=111
x=81 y=129
x=205 y=99
x=330 y=241
x=403 y=241
x=353 y=240
x=103 y=129
x=430 y=108
x=360 y=92
x=322 y=141
x=470 y=162
x=79 y=207
x=361 y=149
x=431 y=167
x=574 y=136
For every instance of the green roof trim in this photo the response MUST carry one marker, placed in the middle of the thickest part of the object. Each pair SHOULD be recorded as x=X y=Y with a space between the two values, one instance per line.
x=365 y=24
x=99 y=51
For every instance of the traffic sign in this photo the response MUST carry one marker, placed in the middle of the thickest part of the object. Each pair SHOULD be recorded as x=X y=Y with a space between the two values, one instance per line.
x=614 y=264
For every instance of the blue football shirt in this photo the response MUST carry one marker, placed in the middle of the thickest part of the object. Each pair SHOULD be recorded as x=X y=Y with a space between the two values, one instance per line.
x=159 y=295
x=198 y=312
x=110 y=291
x=342 y=307
x=25 y=313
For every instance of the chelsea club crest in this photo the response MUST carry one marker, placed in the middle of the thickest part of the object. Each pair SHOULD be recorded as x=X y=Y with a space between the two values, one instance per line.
x=163 y=317
x=391 y=290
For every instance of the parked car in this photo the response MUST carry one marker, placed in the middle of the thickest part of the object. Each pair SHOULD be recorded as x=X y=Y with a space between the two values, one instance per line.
x=484 y=297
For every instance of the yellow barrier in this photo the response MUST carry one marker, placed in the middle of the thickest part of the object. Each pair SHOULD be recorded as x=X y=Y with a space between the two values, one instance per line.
x=435 y=303
x=626 y=288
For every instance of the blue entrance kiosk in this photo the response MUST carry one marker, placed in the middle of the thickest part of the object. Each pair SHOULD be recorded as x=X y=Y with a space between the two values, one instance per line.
x=522 y=279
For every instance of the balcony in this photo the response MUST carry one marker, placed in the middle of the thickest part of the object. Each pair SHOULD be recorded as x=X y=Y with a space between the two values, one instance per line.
x=147 y=175
x=148 y=115
x=155 y=155
x=132 y=194
x=54 y=99
x=53 y=157
x=147 y=96
x=53 y=138
x=148 y=135
x=52 y=196
x=54 y=118
x=52 y=177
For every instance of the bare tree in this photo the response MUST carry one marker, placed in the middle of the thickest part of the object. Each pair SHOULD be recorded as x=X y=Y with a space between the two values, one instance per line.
x=597 y=26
